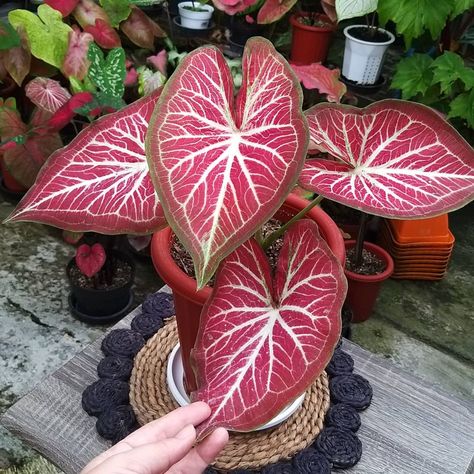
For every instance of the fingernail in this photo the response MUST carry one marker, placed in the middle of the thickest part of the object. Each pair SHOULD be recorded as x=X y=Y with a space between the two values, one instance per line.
x=186 y=432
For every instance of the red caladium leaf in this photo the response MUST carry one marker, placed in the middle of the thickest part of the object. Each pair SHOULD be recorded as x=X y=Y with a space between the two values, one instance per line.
x=397 y=159
x=66 y=112
x=141 y=29
x=64 y=6
x=100 y=181
x=47 y=93
x=221 y=168
x=273 y=10
x=262 y=343
x=76 y=63
x=317 y=76
x=90 y=259
x=159 y=61
x=104 y=35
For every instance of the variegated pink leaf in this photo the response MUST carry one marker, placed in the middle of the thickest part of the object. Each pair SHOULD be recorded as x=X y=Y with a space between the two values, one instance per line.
x=274 y=10
x=397 y=159
x=317 y=76
x=100 y=181
x=47 y=93
x=223 y=169
x=262 y=343
x=76 y=63
x=87 y=12
x=141 y=29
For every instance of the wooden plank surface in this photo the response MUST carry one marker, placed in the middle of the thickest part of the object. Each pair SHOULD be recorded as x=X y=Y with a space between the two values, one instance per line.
x=410 y=428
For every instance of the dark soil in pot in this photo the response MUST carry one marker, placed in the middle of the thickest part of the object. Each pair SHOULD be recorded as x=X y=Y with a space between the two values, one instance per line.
x=369 y=34
x=371 y=264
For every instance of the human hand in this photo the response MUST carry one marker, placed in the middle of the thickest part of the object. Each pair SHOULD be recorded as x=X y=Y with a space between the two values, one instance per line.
x=164 y=445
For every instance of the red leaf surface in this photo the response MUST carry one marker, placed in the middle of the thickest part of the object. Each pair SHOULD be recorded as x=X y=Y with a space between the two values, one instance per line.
x=104 y=35
x=221 y=168
x=66 y=112
x=141 y=29
x=64 y=6
x=100 y=181
x=159 y=61
x=273 y=10
x=393 y=159
x=47 y=93
x=317 y=76
x=90 y=259
x=262 y=343
x=75 y=61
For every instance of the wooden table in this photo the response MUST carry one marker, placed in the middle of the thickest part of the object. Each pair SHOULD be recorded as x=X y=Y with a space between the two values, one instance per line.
x=409 y=428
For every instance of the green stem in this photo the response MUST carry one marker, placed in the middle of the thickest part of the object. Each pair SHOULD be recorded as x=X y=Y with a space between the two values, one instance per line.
x=278 y=233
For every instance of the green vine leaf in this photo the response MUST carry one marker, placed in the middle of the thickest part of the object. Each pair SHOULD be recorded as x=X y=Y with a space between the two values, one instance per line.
x=463 y=106
x=107 y=74
x=461 y=6
x=117 y=10
x=413 y=75
x=413 y=17
x=9 y=38
x=47 y=34
x=447 y=69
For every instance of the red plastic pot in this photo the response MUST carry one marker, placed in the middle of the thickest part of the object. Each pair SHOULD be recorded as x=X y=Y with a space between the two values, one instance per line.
x=310 y=44
x=189 y=301
x=363 y=290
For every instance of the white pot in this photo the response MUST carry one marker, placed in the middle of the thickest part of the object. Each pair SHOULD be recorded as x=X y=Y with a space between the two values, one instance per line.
x=192 y=19
x=175 y=375
x=363 y=60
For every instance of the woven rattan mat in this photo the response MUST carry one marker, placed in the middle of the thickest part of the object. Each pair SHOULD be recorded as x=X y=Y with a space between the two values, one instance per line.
x=150 y=400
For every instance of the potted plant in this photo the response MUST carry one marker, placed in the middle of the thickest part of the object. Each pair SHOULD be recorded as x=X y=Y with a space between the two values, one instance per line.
x=365 y=45
x=100 y=284
x=218 y=168
x=195 y=15
x=311 y=33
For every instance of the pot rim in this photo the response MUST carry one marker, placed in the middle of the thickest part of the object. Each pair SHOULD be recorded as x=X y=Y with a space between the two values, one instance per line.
x=187 y=286
x=380 y=252
x=319 y=29
x=204 y=6
x=347 y=34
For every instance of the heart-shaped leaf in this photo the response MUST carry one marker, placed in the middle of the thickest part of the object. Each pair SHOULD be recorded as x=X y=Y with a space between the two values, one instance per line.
x=222 y=168
x=87 y=12
x=262 y=343
x=100 y=181
x=141 y=29
x=64 y=6
x=117 y=10
x=90 y=259
x=17 y=60
x=47 y=93
x=273 y=10
x=346 y=9
x=317 y=76
x=104 y=35
x=76 y=63
x=47 y=34
x=397 y=159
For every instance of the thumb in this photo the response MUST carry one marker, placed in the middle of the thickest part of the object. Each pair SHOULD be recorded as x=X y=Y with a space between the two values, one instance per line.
x=152 y=458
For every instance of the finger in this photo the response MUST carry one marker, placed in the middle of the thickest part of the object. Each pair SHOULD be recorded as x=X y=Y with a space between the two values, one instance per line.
x=152 y=458
x=203 y=454
x=157 y=430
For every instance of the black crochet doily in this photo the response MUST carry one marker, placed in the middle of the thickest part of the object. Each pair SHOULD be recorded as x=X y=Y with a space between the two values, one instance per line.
x=336 y=447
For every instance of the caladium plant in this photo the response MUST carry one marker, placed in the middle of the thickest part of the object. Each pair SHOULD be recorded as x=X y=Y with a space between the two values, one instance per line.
x=216 y=167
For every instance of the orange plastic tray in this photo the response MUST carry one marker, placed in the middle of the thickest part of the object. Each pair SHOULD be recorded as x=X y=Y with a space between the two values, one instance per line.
x=447 y=244
x=418 y=276
x=433 y=229
x=417 y=252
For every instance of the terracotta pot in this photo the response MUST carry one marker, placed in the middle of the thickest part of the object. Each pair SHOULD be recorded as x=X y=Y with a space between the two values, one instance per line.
x=189 y=302
x=310 y=44
x=363 y=289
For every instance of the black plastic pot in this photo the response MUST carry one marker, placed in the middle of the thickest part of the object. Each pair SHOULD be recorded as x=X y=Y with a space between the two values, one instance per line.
x=101 y=306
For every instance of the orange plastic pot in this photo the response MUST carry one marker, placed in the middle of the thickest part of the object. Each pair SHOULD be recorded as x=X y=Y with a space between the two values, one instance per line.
x=433 y=229
x=363 y=290
x=189 y=301
x=310 y=44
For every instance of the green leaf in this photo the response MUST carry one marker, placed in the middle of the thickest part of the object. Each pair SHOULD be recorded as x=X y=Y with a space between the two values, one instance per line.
x=463 y=106
x=447 y=69
x=47 y=34
x=461 y=6
x=413 y=75
x=117 y=10
x=413 y=17
x=9 y=38
x=346 y=9
x=101 y=101
x=107 y=74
